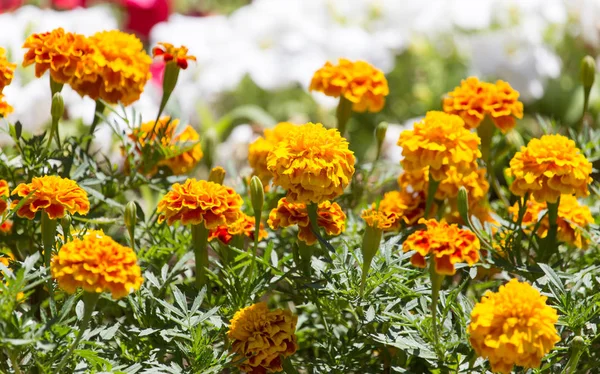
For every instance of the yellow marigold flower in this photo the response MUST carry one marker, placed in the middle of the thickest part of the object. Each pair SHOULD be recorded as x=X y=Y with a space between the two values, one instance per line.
x=5 y=108
x=54 y=195
x=448 y=245
x=7 y=70
x=181 y=149
x=359 y=82
x=440 y=141
x=4 y=193
x=263 y=336
x=513 y=326
x=329 y=216
x=474 y=181
x=243 y=226
x=58 y=51
x=549 y=167
x=5 y=259
x=314 y=164
x=167 y=52
x=473 y=100
x=260 y=148
x=195 y=202
x=572 y=218
x=97 y=264
x=117 y=71
x=395 y=208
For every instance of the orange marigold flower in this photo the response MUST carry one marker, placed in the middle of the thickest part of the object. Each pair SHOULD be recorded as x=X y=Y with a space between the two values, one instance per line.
x=5 y=108
x=329 y=216
x=263 y=337
x=473 y=100
x=7 y=70
x=513 y=326
x=359 y=82
x=314 y=164
x=195 y=202
x=167 y=52
x=243 y=226
x=439 y=141
x=448 y=245
x=97 y=264
x=117 y=71
x=4 y=193
x=52 y=194
x=395 y=208
x=6 y=226
x=572 y=218
x=60 y=52
x=180 y=150
x=549 y=167
x=260 y=148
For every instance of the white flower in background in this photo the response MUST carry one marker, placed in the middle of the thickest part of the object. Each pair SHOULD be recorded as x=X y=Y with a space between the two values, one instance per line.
x=587 y=13
x=390 y=149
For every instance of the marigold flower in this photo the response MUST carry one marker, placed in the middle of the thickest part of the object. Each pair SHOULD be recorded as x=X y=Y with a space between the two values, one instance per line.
x=474 y=181
x=181 y=150
x=54 y=195
x=314 y=164
x=513 y=326
x=440 y=141
x=359 y=82
x=263 y=336
x=97 y=264
x=6 y=226
x=572 y=218
x=61 y=52
x=117 y=71
x=243 y=226
x=473 y=100
x=549 y=167
x=395 y=208
x=448 y=244
x=5 y=108
x=329 y=216
x=260 y=148
x=4 y=193
x=195 y=202
x=7 y=70
x=167 y=52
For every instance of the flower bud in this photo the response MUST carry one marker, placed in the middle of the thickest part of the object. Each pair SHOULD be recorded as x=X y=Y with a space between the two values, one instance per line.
x=463 y=204
x=65 y=223
x=588 y=71
x=58 y=106
x=130 y=216
x=257 y=194
x=380 y=132
x=217 y=175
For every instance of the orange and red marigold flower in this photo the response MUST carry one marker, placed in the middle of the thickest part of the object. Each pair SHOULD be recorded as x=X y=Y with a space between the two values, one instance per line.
x=396 y=208
x=446 y=243
x=473 y=100
x=168 y=52
x=243 y=226
x=329 y=216
x=53 y=195
x=200 y=202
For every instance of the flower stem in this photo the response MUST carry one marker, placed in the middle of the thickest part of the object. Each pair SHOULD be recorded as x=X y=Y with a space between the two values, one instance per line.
x=370 y=246
x=486 y=131
x=431 y=190
x=89 y=303
x=436 y=285
x=13 y=362
x=551 y=244
x=48 y=240
x=313 y=217
x=288 y=367
x=199 y=245
x=343 y=114
x=97 y=111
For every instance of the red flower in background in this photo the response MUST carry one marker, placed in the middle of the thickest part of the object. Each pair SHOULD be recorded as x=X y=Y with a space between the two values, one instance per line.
x=8 y=5
x=144 y=14
x=68 y=4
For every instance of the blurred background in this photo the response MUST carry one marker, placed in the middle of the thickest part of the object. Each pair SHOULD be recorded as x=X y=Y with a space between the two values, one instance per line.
x=256 y=59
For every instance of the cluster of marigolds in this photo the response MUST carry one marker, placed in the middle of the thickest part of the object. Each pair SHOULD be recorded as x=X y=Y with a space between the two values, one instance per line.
x=313 y=164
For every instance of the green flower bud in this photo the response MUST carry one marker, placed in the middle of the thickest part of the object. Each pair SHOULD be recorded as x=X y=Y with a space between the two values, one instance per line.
x=380 y=131
x=130 y=216
x=65 y=223
x=588 y=71
x=217 y=175
x=257 y=194
x=463 y=204
x=58 y=106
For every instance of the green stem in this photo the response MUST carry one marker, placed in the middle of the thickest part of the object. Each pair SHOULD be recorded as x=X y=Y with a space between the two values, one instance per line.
x=436 y=285
x=343 y=114
x=313 y=216
x=485 y=131
x=55 y=87
x=431 y=190
x=257 y=217
x=586 y=102
x=13 y=362
x=89 y=302
x=97 y=113
x=48 y=241
x=551 y=243
x=288 y=367
x=370 y=246
x=305 y=253
x=199 y=245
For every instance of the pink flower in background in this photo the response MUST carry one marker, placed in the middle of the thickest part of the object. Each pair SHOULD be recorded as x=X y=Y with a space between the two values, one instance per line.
x=68 y=4
x=143 y=14
x=8 y=5
x=158 y=71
